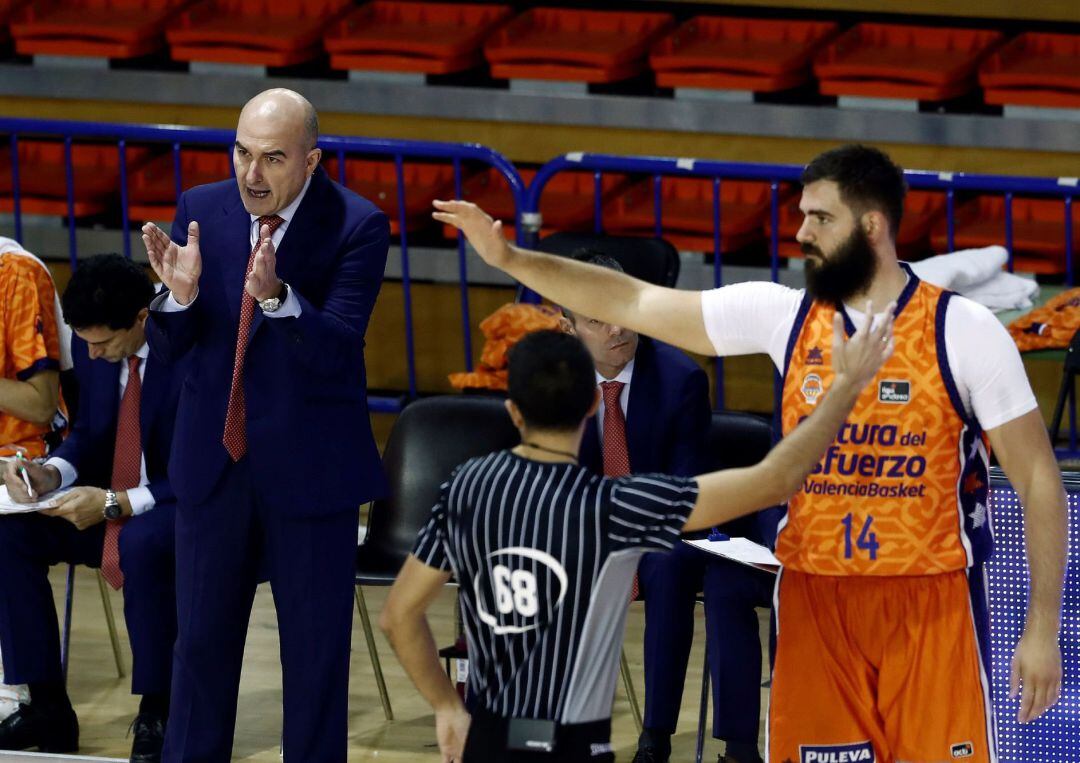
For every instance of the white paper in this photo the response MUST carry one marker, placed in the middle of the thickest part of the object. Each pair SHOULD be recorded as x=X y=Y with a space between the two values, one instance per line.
x=8 y=506
x=739 y=550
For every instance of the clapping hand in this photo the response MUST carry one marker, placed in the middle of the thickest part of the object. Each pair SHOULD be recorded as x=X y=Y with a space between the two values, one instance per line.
x=178 y=267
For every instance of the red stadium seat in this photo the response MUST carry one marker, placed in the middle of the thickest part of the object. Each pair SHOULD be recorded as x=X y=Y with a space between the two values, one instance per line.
x=43 y=181
x=574 y=46
x=1038 y=231
x=687 y=212
x=898 y=61
x=431 y=38
x=739 y=54
x=8 y=9
x=254 y=32
x=921 y=210
x=377 y=182
x=152 y=187
x=567 y=203
x=101 y=28
x=1035 y=69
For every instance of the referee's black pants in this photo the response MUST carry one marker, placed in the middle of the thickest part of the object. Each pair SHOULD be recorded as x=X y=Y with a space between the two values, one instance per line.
x=574 y=742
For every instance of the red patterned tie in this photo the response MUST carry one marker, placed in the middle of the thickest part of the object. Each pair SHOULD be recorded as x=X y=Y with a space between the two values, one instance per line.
x=235 y=436
x=127 y=468
x=616 y=455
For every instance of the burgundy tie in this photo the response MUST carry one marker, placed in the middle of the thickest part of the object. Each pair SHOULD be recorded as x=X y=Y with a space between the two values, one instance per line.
x=127 y=468
x=235 y=436
x=616 y=455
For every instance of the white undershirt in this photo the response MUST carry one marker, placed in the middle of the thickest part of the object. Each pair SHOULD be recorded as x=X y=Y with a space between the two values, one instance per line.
x=624 y=376
x=140 y=497
x=758 y=316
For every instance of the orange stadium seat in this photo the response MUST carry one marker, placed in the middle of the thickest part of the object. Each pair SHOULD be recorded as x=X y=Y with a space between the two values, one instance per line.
x=575 y=46
x=921 y=210
x=899 y=61
x=254 y=32
x=377 y=181
x=1038 y=231
x=152 y=187
x=8 y=9
x=430 y=38
x=567 y=203
x=1035 y=69
x=100 y=28
x=687 y=212
x=739 y=54
x=43 y=183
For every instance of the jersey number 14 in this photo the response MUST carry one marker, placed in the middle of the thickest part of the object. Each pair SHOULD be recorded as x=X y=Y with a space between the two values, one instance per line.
x=867 y=541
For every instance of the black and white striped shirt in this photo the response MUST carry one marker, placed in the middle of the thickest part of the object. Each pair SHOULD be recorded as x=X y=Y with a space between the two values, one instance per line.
x=545 y=554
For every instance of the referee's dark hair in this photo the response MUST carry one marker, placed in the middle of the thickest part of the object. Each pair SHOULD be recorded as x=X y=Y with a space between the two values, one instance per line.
x=106 y=290
x=552 y=380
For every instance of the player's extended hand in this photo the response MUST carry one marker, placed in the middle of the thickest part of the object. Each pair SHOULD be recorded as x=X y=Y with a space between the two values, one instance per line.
x=858 y=359
x=262 y=282
x=83 y=506
x=1036 y=674
x=451 y=729
x=483 y=233
x=178 y=267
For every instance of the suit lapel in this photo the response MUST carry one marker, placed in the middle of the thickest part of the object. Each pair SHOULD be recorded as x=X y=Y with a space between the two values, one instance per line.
x=237 y=252
x=643 y=398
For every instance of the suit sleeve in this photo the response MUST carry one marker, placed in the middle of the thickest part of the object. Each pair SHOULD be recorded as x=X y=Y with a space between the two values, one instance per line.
x=330 y=341
x=687 y=456
x=171 y=334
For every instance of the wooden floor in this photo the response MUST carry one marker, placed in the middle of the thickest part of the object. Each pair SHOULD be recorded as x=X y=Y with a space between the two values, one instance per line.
x=105 y=706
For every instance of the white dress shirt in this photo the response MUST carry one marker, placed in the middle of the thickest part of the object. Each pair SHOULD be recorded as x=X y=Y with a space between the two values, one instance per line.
x=141 y=499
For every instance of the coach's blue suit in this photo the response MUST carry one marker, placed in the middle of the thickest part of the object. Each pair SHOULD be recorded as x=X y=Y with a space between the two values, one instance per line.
x=288 y=509
x=667 y=419
x=31 y=542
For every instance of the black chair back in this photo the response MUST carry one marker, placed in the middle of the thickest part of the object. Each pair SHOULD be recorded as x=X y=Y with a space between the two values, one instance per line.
x=429 y=439
x=650 y=259
x=739 y=439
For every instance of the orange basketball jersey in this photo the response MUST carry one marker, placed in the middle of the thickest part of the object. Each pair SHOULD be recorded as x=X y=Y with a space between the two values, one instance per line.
x=903 y=488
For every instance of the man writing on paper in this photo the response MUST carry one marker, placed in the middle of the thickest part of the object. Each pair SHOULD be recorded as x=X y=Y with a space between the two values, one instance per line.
x=119 y=516
x=545 y=552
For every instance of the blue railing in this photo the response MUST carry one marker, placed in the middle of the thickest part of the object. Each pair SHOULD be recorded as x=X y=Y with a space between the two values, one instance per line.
x=949 y=183
x=177 y=138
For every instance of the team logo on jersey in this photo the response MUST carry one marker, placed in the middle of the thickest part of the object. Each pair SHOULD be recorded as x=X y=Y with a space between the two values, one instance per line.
x=514 y=588
x=863 y=752
x=963 y=750
x=812 y=388
x=894 y=391
x=814 y=357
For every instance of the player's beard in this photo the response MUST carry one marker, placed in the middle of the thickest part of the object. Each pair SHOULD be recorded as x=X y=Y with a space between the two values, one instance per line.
x=847 y=272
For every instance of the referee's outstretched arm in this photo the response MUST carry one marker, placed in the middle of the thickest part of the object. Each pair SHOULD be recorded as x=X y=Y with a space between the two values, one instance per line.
x=731 y=493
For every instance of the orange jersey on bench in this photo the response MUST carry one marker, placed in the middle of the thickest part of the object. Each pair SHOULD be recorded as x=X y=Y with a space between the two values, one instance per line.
x=903 y=488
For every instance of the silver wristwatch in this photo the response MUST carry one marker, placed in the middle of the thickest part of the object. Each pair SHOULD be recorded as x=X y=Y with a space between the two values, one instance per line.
x=273 y=304
x=112 y=506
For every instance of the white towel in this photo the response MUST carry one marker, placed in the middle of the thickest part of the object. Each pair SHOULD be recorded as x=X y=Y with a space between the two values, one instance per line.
x=977 y=274
x=11 y=246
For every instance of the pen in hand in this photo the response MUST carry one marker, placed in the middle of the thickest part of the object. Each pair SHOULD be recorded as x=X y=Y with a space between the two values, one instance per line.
x=19 y=458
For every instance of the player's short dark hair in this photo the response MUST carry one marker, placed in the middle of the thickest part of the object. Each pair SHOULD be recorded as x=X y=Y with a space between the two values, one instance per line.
x=552 y=380
x=106 y=290
x=867 y=179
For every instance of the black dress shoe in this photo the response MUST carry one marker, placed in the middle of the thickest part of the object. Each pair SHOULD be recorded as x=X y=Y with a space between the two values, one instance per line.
x=53 y=731
x=149 y=732
x=650 y=755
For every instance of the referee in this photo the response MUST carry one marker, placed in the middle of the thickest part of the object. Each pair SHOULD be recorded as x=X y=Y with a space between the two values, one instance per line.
x=545 y=552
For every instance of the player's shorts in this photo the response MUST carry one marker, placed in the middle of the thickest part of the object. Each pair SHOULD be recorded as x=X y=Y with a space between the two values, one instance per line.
x=881 y=670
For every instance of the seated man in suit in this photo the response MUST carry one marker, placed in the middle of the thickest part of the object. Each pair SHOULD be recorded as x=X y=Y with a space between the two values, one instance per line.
x=119 y=517
x=654 y=416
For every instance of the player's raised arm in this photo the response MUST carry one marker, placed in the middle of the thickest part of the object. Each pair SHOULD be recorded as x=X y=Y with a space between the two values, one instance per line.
x=670 y=315
x=730 y=493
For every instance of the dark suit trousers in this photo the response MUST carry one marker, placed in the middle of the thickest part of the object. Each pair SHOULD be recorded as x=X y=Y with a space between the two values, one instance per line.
x=670 y=582
x=224 y=547
x=29 y=640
